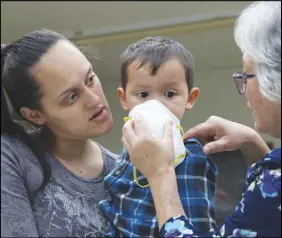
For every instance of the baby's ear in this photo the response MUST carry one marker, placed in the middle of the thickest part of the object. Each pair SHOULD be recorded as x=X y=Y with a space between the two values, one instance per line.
x=122 y=98
x=192 y=98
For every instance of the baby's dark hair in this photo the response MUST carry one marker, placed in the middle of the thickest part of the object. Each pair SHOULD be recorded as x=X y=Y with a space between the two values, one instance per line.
x=155 y=51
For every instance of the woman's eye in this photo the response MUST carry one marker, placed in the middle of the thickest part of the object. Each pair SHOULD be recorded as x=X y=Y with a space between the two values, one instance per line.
x=170 y=94
x=143 y=94
x=91 y=80
x=71 y=99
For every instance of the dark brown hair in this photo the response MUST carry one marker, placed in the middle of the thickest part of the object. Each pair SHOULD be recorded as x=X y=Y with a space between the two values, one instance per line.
x=156 y=50
x=19 y=89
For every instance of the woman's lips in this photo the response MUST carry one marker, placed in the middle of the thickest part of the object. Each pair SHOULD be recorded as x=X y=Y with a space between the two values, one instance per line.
x=100 y=115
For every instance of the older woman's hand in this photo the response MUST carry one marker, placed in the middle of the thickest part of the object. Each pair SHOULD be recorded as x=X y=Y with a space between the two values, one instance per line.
x=218 y=135
x=152 y=157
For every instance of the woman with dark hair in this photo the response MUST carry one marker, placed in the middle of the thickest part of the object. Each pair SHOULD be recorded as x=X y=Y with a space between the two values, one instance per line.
x=52 y=104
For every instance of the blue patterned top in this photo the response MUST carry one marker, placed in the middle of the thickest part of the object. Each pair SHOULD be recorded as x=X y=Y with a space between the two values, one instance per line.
x=257 y=214
x=130 y=208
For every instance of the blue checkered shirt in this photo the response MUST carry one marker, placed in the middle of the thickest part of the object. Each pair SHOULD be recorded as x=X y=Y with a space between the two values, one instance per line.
x=130 y=208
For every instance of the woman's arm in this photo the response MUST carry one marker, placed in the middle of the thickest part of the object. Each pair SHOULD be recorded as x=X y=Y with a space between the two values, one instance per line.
x=166 y=197
x=17 y=218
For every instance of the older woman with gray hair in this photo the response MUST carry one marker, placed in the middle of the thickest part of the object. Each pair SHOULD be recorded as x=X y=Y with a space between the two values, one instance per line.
x=258 y=35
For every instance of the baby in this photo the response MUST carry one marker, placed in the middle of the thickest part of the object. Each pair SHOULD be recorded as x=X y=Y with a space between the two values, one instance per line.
x=161 y=69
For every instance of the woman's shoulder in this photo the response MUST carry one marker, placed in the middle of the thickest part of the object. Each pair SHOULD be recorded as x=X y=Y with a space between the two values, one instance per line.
x=15 y=154
x=18 y=163
x=271 y=161
x=109 y=158
x=267 y=172
x=8 y=140
x=108 y=154
x=273 y=157
x=13 y=145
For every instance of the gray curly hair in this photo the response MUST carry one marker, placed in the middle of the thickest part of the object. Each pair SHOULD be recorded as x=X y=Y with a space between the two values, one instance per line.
x=258 y=34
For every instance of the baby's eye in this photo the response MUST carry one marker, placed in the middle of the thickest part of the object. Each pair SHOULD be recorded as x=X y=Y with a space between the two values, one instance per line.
x=143 y=94
x=170 y=94
x=71 y=99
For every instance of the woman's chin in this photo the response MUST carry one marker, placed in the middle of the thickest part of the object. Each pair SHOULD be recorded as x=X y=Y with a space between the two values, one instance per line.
x=108 y=127
x=102 y=129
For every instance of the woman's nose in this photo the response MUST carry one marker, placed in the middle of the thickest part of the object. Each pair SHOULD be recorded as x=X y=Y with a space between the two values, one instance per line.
x=92 y=99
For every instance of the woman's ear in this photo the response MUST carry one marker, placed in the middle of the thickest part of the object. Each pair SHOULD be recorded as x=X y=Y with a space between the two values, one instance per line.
x=34 y=116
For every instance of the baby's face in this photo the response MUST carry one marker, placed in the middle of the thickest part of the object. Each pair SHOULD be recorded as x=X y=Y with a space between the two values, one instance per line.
x=168 y=86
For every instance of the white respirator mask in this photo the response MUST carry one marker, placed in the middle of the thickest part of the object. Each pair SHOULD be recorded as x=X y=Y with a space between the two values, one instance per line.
x=156 y=115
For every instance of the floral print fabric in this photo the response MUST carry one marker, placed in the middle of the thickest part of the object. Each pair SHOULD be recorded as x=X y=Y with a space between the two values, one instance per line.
x=258 y=214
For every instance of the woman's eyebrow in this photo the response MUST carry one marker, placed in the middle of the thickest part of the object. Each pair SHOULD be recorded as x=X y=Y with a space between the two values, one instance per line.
x=89 y=71
x=72 y=88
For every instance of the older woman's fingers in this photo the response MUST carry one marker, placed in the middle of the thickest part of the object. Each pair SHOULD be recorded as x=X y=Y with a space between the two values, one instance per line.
x=168 y=135
x=205 y=132
x=140 y=126
x=129 y=132
x=217 y=146
x=126 y=143
x=129 y=135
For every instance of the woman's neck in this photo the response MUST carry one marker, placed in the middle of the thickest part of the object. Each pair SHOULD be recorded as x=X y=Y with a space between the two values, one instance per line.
x=71 y=150
x=84 y=158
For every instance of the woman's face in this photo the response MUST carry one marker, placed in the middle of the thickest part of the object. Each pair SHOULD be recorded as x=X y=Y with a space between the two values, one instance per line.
x=73 y=103
x=267 y=114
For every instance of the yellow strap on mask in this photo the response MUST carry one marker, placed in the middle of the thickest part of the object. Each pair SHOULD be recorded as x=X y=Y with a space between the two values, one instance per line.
x=136 y=180
x=176 y=161
x=125 y=119
x=181 y=131
x=181 y=155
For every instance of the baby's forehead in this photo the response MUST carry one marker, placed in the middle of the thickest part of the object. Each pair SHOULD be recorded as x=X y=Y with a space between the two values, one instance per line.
x=156 y=81
x=172 y=64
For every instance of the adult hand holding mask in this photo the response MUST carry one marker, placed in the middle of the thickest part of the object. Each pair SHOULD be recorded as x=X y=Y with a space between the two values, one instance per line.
x=148 y=139
x=155 y=115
